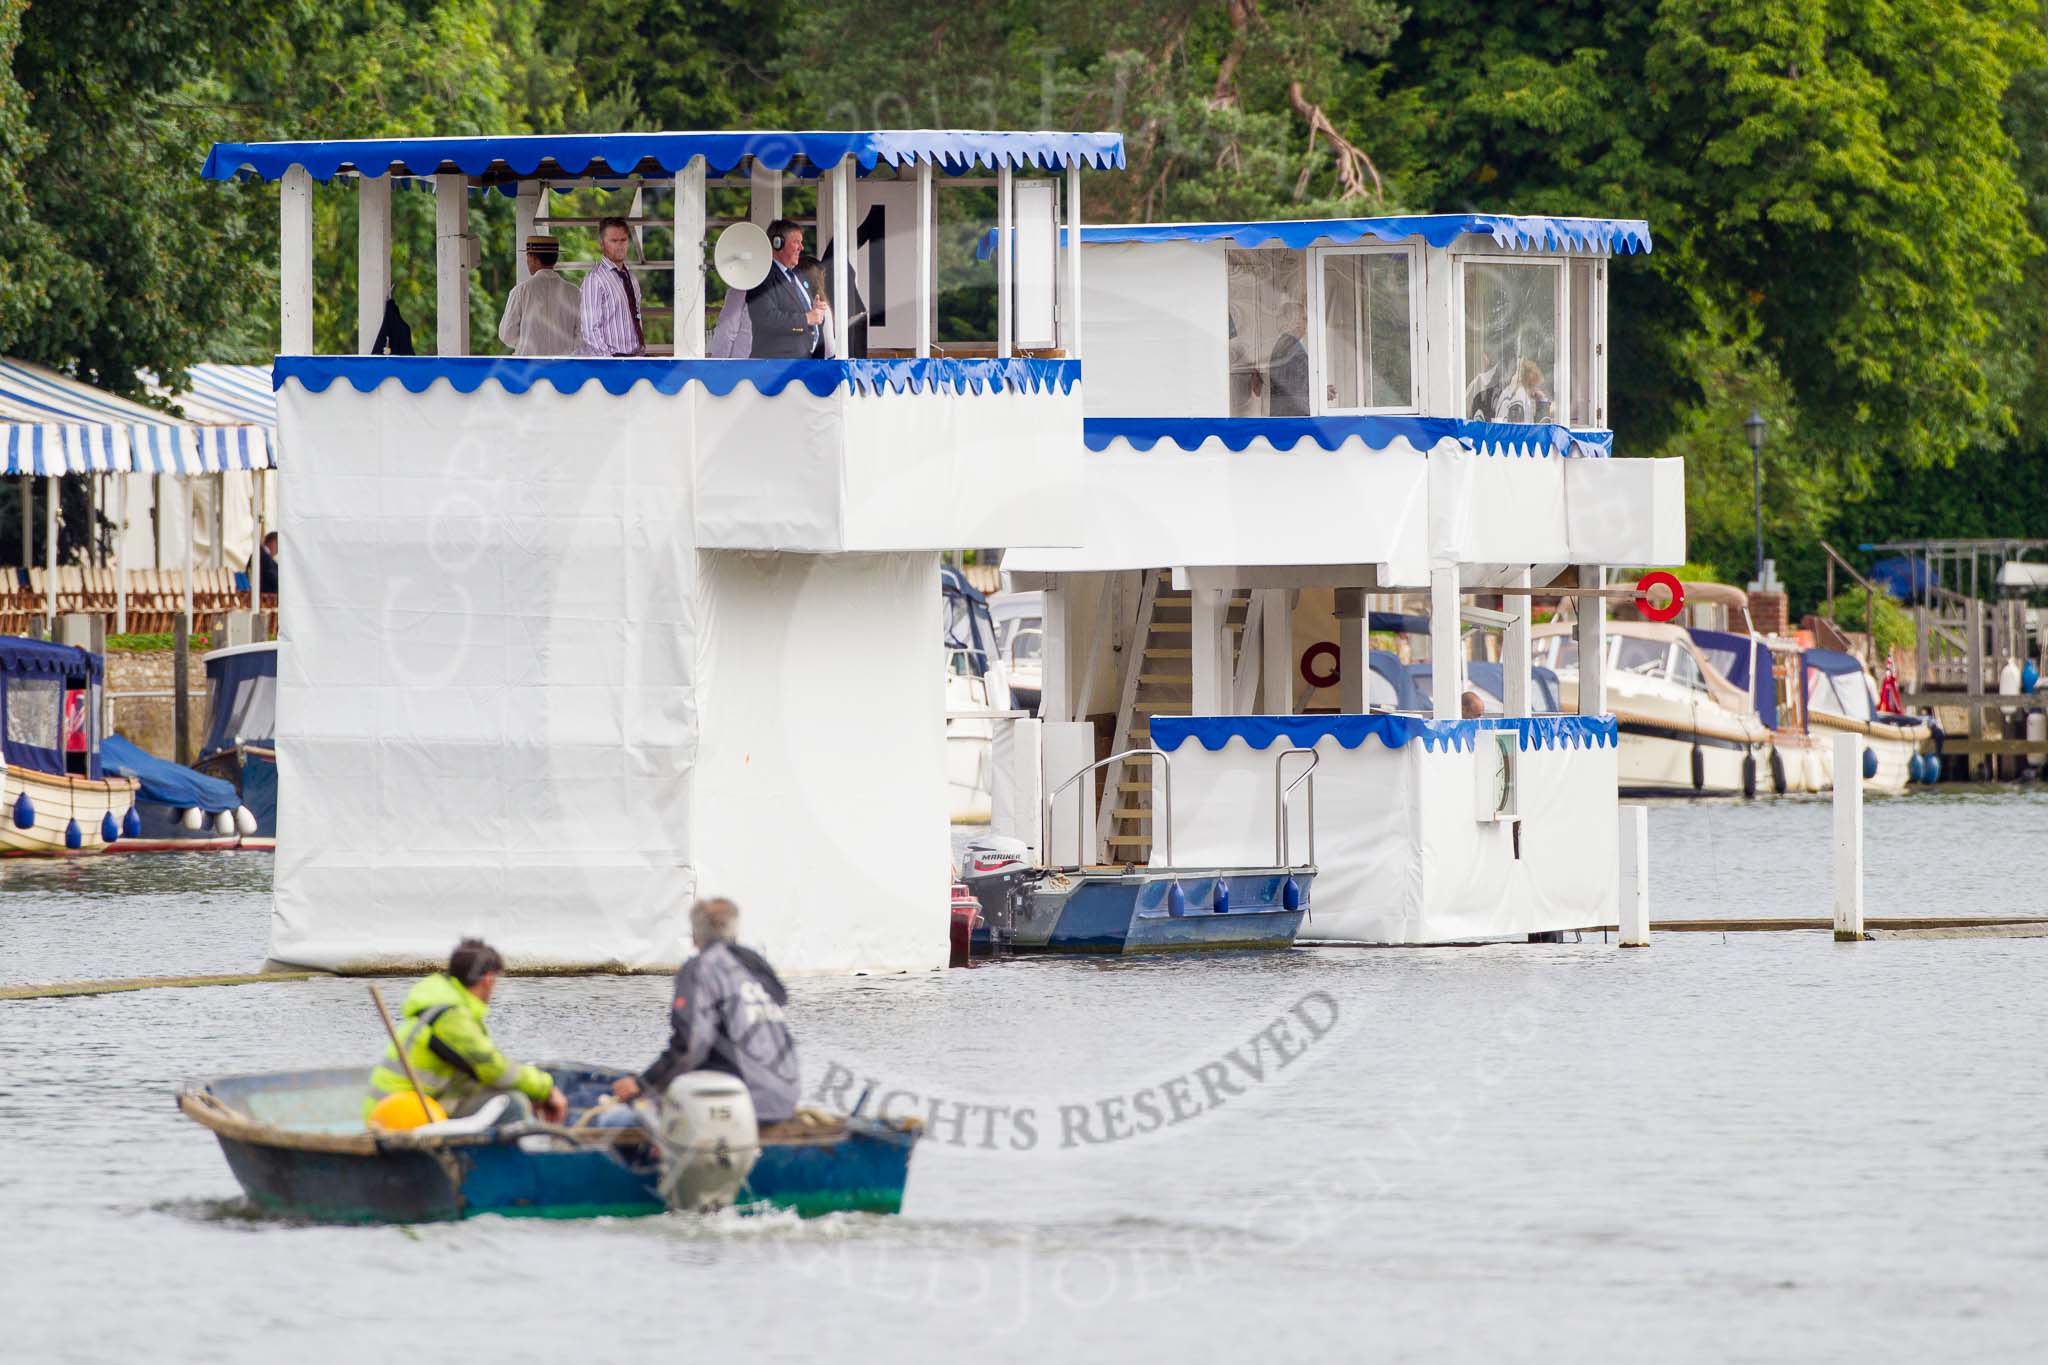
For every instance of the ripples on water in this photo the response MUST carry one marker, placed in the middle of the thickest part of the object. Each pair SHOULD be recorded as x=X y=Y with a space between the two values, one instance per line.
x=1763 y=1146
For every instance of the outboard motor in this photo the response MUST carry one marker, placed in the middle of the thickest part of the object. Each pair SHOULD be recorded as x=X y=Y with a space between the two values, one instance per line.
x=708 y=1139
x=999 y=872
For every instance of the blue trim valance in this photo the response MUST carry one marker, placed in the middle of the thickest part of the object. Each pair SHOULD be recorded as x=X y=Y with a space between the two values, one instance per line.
x=1285 y=433
x=721 y=377
x=663 y=154
x=1392 y=730
x=1523 y=231
x=39 y=658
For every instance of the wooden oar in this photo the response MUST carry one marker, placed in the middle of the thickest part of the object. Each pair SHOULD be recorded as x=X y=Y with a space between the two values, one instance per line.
x=399 y=1048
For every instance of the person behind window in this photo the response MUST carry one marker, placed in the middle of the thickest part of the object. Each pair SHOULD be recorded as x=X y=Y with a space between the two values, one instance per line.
x=811 y=271
x=543 y=314
x=1287 y=376
x=611 y=300
x=733 y=337
x=787 y=318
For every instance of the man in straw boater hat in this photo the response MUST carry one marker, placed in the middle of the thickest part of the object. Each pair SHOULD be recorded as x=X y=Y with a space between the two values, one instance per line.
x=544 y=314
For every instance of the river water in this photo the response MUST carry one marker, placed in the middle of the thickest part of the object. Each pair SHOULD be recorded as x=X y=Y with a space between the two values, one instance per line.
x=1740 y=1147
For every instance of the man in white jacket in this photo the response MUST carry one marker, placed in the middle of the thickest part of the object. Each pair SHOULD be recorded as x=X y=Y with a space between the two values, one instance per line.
x=542 y=316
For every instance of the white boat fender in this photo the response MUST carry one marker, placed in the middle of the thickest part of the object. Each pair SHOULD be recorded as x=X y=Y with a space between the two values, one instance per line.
x=708 y=1138
x=224 y=823
x=193 y=819
x=245 y=821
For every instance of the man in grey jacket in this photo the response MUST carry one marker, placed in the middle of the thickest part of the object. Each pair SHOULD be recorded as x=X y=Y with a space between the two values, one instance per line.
x=726 y=1016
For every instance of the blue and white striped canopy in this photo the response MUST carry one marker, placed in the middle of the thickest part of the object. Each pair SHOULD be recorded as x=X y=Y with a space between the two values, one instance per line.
x=51 y=425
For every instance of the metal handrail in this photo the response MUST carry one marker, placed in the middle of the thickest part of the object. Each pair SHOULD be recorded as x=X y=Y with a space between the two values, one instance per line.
x=1282 y=796
x=1165 y=820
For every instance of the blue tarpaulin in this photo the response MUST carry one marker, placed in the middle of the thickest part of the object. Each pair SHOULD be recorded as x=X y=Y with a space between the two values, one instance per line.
x=1740 y=659
x=165 y=783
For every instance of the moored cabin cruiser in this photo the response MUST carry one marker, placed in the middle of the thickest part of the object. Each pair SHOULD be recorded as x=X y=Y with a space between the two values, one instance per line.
x=1685 y=729
x=1292 y=429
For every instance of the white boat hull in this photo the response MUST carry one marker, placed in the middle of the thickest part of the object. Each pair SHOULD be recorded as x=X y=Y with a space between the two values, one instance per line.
x=58 y=800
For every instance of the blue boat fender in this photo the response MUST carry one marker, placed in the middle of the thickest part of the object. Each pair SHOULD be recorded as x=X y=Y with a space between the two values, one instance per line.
x=74 y=837
x=131 y=824
x=1869 y=764
x=1222 y=896
x=110 y=828
x=1176 y=901
x=1290 y=895
x=24 y=812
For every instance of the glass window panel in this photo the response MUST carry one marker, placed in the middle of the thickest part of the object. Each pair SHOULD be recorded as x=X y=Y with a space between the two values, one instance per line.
x=1583 y=413
x=1635 y=655
x=35 y=710
x=1380 y=694
x=1368 y=335
x=1686 y=673
x=1268 y=301
x=1510 y=341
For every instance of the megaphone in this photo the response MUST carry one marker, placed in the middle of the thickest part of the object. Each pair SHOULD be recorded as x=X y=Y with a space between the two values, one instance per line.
x=741 y=256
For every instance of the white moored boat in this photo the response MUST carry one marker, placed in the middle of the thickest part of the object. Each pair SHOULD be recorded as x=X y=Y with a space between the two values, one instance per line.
x=57 y=799
x=1685 y=730
x=1839 y=697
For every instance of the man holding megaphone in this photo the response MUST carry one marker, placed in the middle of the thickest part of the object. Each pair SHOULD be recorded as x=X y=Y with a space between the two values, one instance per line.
x=788 y=322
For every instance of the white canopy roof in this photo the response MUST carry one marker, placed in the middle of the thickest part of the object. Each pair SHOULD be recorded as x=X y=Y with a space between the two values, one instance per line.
x=51 y=424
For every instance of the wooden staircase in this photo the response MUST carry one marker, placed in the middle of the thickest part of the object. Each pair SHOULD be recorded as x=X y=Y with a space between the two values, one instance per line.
x=1158 y=680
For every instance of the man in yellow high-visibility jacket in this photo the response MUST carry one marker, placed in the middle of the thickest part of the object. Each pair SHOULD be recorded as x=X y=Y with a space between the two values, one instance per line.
x=450 y=1047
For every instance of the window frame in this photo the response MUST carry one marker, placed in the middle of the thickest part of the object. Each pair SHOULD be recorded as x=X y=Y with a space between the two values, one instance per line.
x=1560 y=379
x=1319 y=351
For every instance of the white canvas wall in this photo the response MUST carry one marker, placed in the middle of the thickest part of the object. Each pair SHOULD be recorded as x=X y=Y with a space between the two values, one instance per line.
x=820 y=803
x=1401 y=857
x=485 y=717
x=1158 y=330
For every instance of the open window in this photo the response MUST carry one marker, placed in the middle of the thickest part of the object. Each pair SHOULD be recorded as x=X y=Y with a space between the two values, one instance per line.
x=1368 y=309
x=1513 y=321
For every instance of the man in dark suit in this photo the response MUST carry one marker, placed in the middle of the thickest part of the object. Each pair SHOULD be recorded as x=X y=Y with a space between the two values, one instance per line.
x=788 y=322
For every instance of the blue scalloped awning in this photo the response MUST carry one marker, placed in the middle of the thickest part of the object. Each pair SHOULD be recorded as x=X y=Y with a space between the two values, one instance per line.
x=511 y=158
x=1529 y=232
x=1286 y=433
x=721 y=377
x=1392 y=731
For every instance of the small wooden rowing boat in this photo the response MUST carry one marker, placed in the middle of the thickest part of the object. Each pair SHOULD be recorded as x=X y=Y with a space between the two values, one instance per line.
x=295 y=1141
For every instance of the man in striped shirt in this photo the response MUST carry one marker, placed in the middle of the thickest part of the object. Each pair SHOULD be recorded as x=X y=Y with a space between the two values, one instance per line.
x=611 y=298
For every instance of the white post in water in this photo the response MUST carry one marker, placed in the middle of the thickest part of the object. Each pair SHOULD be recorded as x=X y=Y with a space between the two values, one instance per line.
x=1848 y=838
x=1635 y=876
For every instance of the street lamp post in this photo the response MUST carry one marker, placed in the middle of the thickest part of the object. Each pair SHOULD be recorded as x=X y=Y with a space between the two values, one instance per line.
x=1755 y=427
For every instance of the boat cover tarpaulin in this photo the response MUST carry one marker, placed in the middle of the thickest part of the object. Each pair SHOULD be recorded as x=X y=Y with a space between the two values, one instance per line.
x=244 y=688
x=163 y=782
x=1742 y=661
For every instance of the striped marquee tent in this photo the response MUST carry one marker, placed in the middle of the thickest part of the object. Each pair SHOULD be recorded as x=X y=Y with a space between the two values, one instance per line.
x=56 y=425
x=52 y=425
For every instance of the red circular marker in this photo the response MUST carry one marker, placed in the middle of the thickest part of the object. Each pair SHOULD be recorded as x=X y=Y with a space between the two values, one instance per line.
x=1316 y=651
x=1669 y=582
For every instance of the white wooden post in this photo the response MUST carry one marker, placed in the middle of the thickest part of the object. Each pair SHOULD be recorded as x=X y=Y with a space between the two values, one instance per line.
x=689 y=257
x=1446 y=632
x=764 y=194
x=256 y=556
x=1592 y=636
x=295 y=263
x=50 y=557
x=1635 y=876
x=1006 y=265
x=1848 y=837
x=1070 y=306
x=121 y=556
x=1209 y=644
x=373 y=257
x=927 y=284
x=1276 y=649
x=1354 y=650
x=844 y=248
x=525 y=209
x=1514 y=650
x=451 y=274
x=1056 y=693
x=186 y=495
